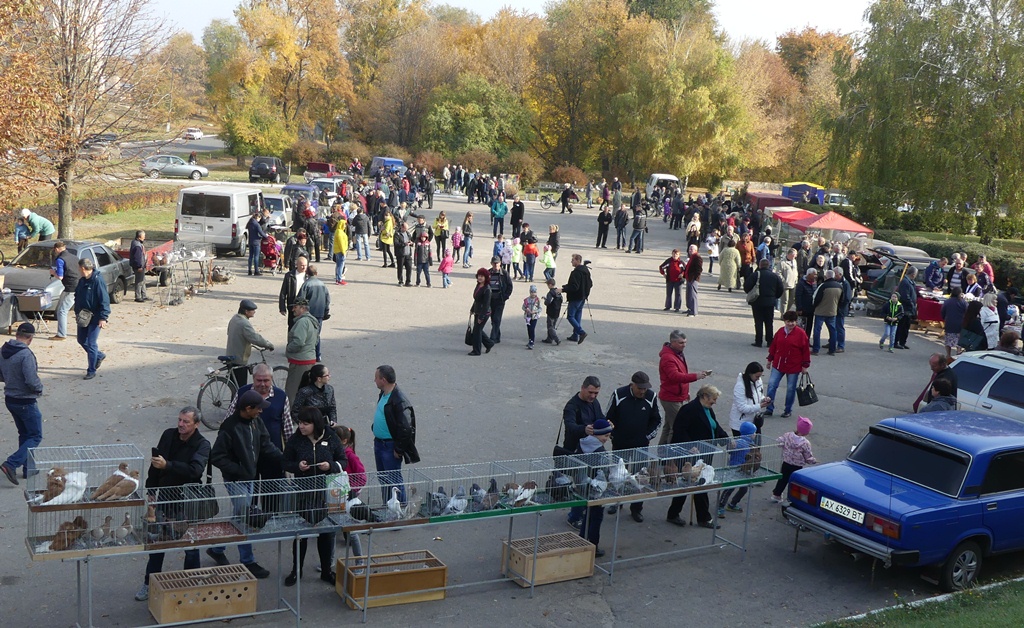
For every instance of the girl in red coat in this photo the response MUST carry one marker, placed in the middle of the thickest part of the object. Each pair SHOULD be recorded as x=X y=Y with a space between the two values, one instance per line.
x=789 y=354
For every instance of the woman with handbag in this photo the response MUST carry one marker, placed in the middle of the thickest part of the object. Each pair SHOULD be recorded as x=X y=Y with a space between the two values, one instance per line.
x=315 y=392
x=481 y=311
x=972 y=334
x=748 y=399
x=312 y=453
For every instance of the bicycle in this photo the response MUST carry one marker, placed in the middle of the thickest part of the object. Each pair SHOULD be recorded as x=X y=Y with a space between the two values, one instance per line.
x=216 y=394
x=547 y=201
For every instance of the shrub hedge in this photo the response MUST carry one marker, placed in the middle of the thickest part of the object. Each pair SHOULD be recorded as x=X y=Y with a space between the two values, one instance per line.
x=1009 y=267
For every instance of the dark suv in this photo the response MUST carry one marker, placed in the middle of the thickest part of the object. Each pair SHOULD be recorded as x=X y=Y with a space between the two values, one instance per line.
x=269 y=169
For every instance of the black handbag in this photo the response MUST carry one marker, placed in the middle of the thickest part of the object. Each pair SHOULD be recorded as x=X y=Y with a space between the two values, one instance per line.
x=201 y=499
x=805 y=394
x=970 y=340
x=469 y=331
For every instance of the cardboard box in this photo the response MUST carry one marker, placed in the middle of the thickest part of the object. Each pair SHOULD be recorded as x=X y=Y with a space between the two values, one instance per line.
x=198 y=594
x=34 y=303
x=560 y=557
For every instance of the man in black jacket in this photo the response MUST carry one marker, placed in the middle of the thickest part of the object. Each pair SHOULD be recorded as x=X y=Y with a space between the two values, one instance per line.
x=501 y=290
x=604 y=219
x=242 y=448
x=578 y=417
x=621 y=220
x=182 y=455
x=577 y=291
x=394 y=432
x=635 y=413
x=770 y=288
x=518 y=214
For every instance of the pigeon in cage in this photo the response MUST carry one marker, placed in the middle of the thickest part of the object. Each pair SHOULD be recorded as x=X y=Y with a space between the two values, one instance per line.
x=124 y=530
x=125 y=487
x=642 y=478
x=617 y=475
x=68 y=533
x=117 y=476
x=150 y=516
x=75 y=485
x=438 y=501
x=525 y=494
x=415 y=503
x=395 y=504
x=56 y=479
x=477 y=493
x=101 y=532
x=510 y=491
x=458 y=503
x=670 y=472
x=599 y=483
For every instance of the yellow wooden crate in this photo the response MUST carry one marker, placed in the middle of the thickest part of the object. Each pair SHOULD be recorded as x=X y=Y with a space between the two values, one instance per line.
x=204 y=593
x=560 y=557
x=406 y=573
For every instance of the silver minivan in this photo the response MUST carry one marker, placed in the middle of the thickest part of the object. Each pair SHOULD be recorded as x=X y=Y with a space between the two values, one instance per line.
x=217 y=215
x=991 y=382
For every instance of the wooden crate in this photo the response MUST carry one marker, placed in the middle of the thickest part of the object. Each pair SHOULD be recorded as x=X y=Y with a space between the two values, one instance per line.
x=205 y=593
x=408 y=573
x=560 y=557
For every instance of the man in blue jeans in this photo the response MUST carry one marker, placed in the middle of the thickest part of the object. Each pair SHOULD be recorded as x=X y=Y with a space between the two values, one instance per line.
x=255 y=235
x=65 y=269
x=20 y=374
x=394 y=432
x=827 y=299
x=91 y=295
x=576 y=293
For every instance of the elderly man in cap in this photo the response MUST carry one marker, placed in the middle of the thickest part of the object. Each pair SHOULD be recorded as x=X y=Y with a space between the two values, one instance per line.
x=634 y=411
x=20 y=374
x=242 y=448
x=301 y=349
x=241 y=338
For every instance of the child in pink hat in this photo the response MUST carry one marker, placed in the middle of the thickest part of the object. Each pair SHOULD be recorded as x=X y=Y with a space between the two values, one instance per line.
x=796 y=454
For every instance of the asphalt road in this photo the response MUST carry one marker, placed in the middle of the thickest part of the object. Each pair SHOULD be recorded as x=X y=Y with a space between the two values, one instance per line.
x=506 y=404
x=176 y=146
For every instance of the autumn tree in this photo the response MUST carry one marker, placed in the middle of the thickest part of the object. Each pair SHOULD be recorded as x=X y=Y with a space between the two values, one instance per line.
x=801 y=51
x=99 y=76
x=182 y=76
x=373 y=30
x=475 y=113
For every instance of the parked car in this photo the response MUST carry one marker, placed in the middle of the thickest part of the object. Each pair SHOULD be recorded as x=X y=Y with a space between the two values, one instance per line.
x=269 y=169
x=939 y=490
x=192 y=133
x=100 y=138
x=991 y=382
x=657 y=181
x=882 y=271
x=30 y=270
x=333 y=187
x=296 y=190
x=280 y=207
x=320 y=169
x=99 y=152
x=171 y=166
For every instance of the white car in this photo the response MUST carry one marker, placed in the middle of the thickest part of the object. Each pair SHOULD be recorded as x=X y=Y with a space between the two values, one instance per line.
x=192 y=133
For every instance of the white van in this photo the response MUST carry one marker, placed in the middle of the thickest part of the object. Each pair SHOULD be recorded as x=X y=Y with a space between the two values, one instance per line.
x=216 y=214
x=658 y=180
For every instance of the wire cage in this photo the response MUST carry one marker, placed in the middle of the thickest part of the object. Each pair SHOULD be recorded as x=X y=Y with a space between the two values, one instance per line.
x=84 y=500
x=553 y=479
x=389 y=498
x=731 y=461
x=482 y=487
x=180 y=516
x=613 y=474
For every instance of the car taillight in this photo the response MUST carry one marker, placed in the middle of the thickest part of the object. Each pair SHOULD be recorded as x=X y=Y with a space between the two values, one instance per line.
x=273 y=168
x=175 y=225
x=882 y=525
x=234 y=230
x=798 y=493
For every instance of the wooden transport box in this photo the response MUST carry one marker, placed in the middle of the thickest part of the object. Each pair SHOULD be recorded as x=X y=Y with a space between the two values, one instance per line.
x=560 y=557
x=408 y=573
x=204 y=593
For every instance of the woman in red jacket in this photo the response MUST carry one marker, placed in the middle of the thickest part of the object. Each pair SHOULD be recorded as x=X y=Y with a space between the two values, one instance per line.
x=672 y=270
x=789 y=354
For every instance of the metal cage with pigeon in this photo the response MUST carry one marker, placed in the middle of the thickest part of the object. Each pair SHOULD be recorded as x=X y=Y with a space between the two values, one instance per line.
x=719 y=462
x=552 y=479
x=481 y=488
x=611 y=475
x=84 y=500
x=388 y=501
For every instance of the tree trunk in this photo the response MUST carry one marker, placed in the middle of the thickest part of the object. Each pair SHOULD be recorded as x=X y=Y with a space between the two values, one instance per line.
x=240 y=161
x=64 y=227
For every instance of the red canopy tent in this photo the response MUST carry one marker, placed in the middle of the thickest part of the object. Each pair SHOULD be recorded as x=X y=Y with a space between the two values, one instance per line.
x=830 y=221
x=789 y=216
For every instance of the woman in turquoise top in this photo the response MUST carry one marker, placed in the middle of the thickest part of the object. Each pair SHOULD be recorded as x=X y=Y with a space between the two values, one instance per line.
x=696 y=421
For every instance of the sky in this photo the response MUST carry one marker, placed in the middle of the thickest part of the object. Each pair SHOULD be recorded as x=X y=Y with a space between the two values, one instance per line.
x=740 y=19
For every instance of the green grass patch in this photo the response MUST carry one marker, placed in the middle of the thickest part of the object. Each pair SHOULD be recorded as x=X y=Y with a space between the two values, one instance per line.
x=998 y=606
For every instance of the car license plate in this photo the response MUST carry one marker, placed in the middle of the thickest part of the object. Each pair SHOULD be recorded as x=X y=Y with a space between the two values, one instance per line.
x=191 y=226
x=842 y=510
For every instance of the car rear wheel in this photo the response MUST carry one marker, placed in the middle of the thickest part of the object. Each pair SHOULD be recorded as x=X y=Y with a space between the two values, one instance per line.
x=961 y=569
x=196 y=175
x=120 y=287
x=154 y=174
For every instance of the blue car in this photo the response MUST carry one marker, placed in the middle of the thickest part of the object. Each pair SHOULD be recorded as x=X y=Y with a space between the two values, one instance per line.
x=940 y=490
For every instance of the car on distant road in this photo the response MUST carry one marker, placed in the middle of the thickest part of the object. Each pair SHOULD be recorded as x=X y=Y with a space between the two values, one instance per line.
x=171 y=166
x=938 y=490
x=99 y=152
x=100 y=138
x=192 y=133
x=30 y=270
x=269 y=169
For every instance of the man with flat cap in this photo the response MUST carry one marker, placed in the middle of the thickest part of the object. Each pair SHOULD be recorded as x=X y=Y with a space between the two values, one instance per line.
x=301 y=349
x=636 y=415
x=241 y=339
x=20 y=374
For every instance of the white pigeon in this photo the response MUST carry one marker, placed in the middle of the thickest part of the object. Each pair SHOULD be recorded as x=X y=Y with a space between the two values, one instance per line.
x=74 y=489
x=394 y=505
x=618 y=474
x=458 y=503
x=632 y=482
x=525 y=493
x=599 y=483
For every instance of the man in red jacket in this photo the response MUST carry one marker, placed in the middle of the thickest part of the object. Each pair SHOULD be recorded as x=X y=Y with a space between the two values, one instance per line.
x=675 y=381
x=789 y=354
x=672 y=270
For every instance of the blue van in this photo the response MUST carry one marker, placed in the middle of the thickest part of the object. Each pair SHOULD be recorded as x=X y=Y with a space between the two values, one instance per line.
x=295 y=190
x=387 y=163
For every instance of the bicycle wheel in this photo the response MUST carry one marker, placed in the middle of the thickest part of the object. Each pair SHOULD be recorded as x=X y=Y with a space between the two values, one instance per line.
x=280 y=375
x=214 y=398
